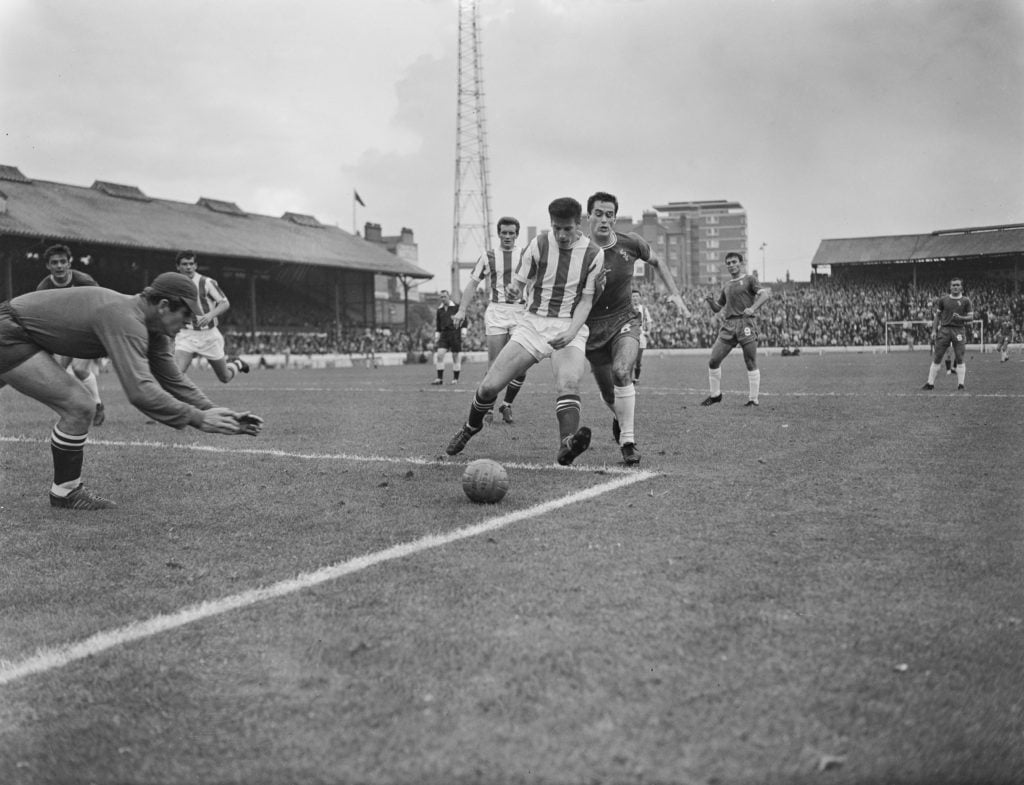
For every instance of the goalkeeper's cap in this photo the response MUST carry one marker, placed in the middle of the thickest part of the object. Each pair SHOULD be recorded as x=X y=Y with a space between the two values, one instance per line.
x=175 y=286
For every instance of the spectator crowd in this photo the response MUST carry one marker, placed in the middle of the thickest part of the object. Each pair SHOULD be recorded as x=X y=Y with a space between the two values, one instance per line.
x=825 y=313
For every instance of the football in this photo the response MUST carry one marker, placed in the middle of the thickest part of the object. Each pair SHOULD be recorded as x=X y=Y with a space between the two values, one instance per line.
x=485 y=481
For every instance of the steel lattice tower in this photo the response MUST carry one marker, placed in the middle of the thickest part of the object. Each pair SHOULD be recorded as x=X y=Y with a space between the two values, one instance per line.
x=472 y=226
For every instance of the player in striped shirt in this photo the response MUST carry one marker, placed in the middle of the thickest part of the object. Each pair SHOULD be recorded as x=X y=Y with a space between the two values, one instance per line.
x=559 y=274
x=200 y=336
x=58 y=262
x=614 y=324
x=953 y=313
x=740 y=298
x=496 y=268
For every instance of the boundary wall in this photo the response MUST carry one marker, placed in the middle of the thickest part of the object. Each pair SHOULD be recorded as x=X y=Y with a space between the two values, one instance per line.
x=282 y=361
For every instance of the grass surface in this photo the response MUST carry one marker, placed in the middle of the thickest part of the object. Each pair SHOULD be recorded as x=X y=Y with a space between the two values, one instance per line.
x=825 y=589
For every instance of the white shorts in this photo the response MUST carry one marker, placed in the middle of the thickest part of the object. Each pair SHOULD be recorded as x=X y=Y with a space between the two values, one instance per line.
x=501 y=318
x=205 y=343
x=533 y=333
x=72 y=364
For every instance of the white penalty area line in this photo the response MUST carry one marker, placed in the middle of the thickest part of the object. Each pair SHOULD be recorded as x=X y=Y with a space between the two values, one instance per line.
x=270 y=453
x=57 y=657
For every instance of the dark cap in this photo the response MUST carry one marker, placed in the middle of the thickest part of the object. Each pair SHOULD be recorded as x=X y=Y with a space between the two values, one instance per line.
x=175 y=286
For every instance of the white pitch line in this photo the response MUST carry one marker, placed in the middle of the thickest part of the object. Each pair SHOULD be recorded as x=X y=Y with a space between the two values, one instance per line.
x=57 y=657
x=270 y=453
x=673 y=391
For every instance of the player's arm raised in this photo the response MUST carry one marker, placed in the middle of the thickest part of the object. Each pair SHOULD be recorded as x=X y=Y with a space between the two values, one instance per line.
x=670 y=283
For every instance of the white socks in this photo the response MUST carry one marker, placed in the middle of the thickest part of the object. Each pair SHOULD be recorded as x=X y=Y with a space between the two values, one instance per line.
x=754 y=383
x=715 y=381
x=625 y=408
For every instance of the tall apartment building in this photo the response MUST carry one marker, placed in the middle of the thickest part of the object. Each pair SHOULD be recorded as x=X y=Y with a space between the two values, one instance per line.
x=694 y=237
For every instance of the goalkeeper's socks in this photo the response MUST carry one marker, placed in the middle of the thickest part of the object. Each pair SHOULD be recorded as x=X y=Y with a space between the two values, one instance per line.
x=715 y=381
x=68 y=451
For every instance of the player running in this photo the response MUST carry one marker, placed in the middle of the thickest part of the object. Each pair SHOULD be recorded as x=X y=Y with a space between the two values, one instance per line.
x=200 y=336
x=953 y=312
x=58 y=262
x=560 y=271
x=502 y=313
x=137 y=333
x=739 y=300
x=614 y=323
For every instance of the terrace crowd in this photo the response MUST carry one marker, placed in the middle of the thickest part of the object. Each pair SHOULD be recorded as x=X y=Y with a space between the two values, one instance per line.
x=797 y=315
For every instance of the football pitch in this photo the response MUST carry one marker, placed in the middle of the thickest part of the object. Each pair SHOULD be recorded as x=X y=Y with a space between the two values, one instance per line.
x=827 y=588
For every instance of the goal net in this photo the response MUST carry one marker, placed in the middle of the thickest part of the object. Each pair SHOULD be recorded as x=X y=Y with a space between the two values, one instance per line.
x=915 y=334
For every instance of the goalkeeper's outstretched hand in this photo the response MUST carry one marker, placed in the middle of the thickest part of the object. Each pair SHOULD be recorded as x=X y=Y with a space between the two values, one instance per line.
x=249 y=424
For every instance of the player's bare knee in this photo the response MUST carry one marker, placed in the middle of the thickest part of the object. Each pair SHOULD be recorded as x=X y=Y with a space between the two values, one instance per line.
x=567 y=387
x=622 y=374
x=78 y=411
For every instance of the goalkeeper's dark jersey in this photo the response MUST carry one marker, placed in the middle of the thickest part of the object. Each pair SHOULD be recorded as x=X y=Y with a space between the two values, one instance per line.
x=90 y=322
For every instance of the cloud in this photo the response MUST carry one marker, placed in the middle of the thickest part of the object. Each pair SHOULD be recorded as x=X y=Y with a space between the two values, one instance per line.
x=823 y=118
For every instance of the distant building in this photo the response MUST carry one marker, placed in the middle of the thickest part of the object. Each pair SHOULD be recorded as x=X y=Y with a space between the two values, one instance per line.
x=287 y=271
x=403 y=246
x=694 y=237
x=992 y=253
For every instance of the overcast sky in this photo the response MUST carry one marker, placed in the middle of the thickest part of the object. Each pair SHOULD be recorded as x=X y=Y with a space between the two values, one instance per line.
x=824 y=118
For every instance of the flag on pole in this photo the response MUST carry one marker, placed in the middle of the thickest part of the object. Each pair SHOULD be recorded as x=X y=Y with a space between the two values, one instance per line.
x=357 y=197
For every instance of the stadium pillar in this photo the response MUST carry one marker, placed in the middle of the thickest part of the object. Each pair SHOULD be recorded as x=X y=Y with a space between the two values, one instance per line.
x=8 y=256
x=252 y=306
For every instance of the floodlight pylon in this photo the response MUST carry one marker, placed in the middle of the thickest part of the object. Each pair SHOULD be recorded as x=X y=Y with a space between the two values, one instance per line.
x=471 y=235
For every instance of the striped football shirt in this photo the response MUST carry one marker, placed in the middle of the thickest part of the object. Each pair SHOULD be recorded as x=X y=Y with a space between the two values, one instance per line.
x=210 y=294
x=499 y=266
x=556 y=280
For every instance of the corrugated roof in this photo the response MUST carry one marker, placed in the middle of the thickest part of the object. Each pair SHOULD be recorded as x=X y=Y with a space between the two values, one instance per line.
x=57 y=211
x=943 y=244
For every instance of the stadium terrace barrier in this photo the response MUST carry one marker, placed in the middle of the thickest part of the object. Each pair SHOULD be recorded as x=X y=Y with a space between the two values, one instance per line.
x=323 y=361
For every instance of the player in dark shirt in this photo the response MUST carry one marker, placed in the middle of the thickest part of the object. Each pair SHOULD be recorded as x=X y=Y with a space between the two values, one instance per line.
x=614 y=340
x=448 y=336
x=740 y=298
x=953 y=313
x=137 y=333
x=58 y=262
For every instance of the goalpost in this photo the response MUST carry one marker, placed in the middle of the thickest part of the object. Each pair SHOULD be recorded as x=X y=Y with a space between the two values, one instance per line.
x=911 y=333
